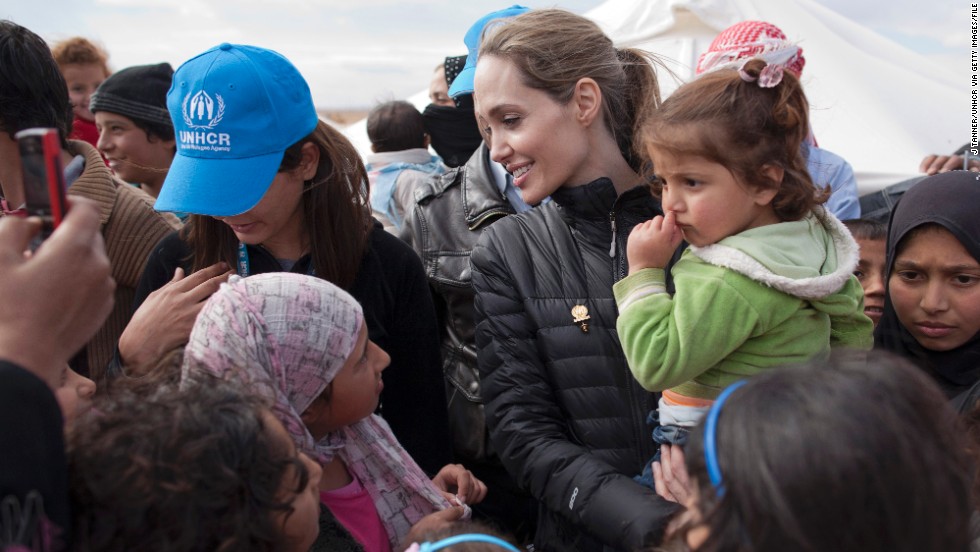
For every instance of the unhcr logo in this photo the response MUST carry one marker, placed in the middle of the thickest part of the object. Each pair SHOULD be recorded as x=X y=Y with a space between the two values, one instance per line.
x=200 y=107
x=201 y=114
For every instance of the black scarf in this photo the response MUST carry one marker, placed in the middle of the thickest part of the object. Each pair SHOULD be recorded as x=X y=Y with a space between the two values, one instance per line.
x=951 y=200
x=454 y=132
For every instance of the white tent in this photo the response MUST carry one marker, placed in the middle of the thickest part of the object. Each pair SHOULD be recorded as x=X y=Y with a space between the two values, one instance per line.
x=874 y=102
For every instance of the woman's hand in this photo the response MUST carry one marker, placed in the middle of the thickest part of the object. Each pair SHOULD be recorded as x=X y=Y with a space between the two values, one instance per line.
x=164 y=321
x=456 y=481
x=670 y=475
x=56 y=299
x=652 y=243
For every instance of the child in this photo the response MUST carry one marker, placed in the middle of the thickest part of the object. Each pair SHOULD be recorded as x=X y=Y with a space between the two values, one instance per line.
x=401 y=161
x=793 y=460
x=84 y=66
x=200 y=469
x=136 y=135
x=302 y=343
x=465 y=536
x=767 y=280
x=870 y=237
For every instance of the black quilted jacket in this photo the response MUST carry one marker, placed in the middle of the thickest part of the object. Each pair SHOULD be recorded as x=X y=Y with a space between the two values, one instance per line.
x=564 y=412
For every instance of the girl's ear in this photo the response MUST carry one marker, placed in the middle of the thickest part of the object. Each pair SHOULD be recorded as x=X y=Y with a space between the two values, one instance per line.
x=587 y=100
x=773 y=174
x=315 y=413
x=309 y=160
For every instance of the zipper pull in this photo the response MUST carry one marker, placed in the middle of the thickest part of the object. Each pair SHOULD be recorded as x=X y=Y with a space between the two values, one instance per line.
x=612 y=246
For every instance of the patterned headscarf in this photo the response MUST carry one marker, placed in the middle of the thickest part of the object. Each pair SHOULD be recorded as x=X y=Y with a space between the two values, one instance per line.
x=286 y=336
x=750 y=39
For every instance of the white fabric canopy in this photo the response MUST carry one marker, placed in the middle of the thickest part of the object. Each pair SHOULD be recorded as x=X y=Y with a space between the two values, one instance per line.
x=876 y=103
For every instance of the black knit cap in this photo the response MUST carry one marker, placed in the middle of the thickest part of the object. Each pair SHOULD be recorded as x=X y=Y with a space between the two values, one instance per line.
x=138 y=92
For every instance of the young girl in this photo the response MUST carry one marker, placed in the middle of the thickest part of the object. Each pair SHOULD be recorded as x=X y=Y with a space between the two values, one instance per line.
x=200 y=469
x=792 y=460
x=563 y=412
x=870 y=237
x=932 y=311
x=767 y=280
x=271 y=189
x=303 y=344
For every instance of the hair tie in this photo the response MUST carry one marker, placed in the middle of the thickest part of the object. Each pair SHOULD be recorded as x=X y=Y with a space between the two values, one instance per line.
x=710 y=432
x=770 y=76
x=457 y=539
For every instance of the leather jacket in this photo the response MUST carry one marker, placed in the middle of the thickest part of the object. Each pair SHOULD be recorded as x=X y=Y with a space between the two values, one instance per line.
x=450 y=214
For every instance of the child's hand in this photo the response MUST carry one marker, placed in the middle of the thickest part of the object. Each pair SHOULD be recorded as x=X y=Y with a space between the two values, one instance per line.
x=651 y=244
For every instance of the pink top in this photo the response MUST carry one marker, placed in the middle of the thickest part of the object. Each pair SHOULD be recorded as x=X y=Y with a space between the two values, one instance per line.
x=354 y=509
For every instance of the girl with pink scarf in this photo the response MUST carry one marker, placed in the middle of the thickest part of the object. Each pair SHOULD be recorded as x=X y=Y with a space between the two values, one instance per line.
x=301 y=342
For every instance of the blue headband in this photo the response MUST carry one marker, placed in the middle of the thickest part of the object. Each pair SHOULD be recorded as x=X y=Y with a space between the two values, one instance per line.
x=710 y=440
x=468 y=537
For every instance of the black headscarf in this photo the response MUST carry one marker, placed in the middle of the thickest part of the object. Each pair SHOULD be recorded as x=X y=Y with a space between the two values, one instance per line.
x=951 y=200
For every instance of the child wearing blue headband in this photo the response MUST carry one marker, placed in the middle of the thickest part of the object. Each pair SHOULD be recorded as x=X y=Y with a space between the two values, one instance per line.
x=836 y=456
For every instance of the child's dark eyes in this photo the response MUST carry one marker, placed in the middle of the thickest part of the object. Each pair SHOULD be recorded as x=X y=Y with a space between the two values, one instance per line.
x=859 y=274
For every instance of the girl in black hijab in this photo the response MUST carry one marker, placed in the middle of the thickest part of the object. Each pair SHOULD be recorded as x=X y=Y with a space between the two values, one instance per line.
x=932 y=306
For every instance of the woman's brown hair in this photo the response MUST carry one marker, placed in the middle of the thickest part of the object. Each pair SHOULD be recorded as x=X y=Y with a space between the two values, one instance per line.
x=336 y=212
x=554 y=49
x=743 y=126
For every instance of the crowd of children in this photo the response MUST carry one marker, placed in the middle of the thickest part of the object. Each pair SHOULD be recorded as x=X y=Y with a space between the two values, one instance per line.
x=278 y=369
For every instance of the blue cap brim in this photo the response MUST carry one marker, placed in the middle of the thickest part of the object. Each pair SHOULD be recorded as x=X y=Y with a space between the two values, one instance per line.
x=217 y=187
x=463 y=83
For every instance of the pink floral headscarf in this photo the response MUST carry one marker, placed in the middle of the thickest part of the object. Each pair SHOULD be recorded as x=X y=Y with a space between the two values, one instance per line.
x=286 y=336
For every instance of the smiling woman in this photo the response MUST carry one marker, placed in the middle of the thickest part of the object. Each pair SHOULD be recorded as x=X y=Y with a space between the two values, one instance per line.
x=563 y=412
x=932 y=308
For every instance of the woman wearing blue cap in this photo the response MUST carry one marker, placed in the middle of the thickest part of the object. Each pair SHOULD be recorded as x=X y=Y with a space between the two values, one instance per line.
x=563 y=410
x=272 y=188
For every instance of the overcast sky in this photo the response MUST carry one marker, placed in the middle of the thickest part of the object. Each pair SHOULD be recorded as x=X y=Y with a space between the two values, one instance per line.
x=355 y=53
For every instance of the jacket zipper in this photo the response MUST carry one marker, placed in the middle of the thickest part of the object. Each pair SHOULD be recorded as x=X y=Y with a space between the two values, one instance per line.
x=495 y=212
x=612 y=245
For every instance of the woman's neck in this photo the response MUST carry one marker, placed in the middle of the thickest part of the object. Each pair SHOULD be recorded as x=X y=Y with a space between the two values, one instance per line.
x=605 y=160
x=290 y=243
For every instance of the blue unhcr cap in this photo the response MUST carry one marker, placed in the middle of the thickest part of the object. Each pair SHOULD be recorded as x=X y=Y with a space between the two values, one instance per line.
x=463 y=84
x=235 y=109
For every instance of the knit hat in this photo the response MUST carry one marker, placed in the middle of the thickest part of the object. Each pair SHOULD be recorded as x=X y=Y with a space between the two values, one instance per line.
x=463 y=83
x=750 y=39
x=138 y=92
x=236 y=109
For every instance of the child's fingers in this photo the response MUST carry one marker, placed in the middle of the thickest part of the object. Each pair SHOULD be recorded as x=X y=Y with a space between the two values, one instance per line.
x=670 y=220
x=658 y=483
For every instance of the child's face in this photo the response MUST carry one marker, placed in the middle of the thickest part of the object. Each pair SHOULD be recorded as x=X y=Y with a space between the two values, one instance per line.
x=301 y=526
x=871 y=273
x=82 y=79
x=74 y=394
x=357 y=387
x=935 y=290
x=132 y=155
x=709 y=202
